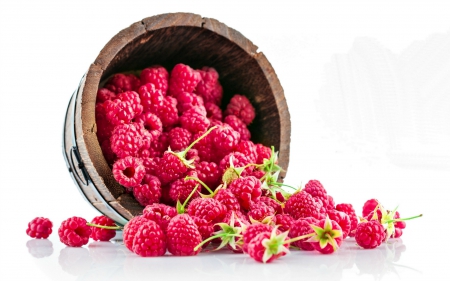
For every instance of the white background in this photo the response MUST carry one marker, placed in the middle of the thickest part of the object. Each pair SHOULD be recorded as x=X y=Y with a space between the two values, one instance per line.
x=368 y=89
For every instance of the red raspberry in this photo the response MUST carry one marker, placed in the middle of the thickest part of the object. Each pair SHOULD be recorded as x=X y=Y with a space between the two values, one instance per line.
x=183 y=236
x=151 y=165
x=180 y=138
x=39 y=228
x=129 y=171
x=151 y=123
x=272 y=203
x=183 y=79
x=328 y=237
x=168 y=112
x=259 y=174
x=239 y=218
x=171 y=168
x=192 y=155
x=130 y=229
x=160 y=145
x=126 y=140
x=205 y=149
x=252 y=231
x=342 y=219
x=283 y=221
x=133 y=98
x=276 y=248
x=160 y=213
x=227 y=198
x=331 y=204
x=259 y=211
x=302 y=205
x=209 y=173
x=149 y=191
x=157 y=75
x=123 y=82
x=119 y=112
x=149 y=240
x=248 y=148
x=213 y=111
x=263 y=152
x=241 y=107
x=152 y=99
x=74 y=232
x=225 y=139
x=147 y=139
x=186 y=101
x=104 y=94
x=238 y=126
x=101 y=234
x=207 y=208
x=239 y=160
x=205 y=228
x=348 y=209
x=181 y=188
x=399 y=225
x=194 y=122
x=104 y=127
x=246 y=190
x=302 y=227
x=369 y=206
x=209 y=87
x=316 y=189
x=369 y=234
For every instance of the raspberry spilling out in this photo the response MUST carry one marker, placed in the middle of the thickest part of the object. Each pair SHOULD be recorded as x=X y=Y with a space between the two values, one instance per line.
x=39 y=228
x=369 y=234
x=102 y=234
x=268 y=246
x=74 y=232
x=183 y=236
x=149 y=240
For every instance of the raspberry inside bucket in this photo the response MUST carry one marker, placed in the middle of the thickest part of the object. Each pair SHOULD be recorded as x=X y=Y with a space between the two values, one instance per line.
x=129 y=172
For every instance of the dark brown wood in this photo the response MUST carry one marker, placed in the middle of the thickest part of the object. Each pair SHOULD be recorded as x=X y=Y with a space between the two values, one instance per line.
x=169 y=39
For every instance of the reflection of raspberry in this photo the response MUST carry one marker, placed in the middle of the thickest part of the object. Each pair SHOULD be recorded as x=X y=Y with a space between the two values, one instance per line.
x=209 y=87
x=101 y=234
x=241 y=107
x=126 y=140
x=74 y=232
x=183 y=236
x=129 y=171
x=123 y=82
x=149 y=240
x=157 y=75
x=238 y=126
x=183 y=79
x=39 y=228
x=149 y=191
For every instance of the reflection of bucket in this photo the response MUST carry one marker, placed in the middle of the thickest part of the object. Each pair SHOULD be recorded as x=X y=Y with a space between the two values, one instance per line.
x=166 y=40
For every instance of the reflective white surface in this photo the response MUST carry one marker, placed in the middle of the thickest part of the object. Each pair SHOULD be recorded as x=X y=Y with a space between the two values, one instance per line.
x=368 y=89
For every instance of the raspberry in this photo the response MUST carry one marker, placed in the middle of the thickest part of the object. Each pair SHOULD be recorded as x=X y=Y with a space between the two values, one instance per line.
x=252 y=231
x=157 y=75
x=160 y=213
x=39 y=228
x=40 y=248
x=130 y=229
x=209 y=87
x=302 y=227
x=369 y=206
x=208 y=172
x=238 y=126
x=205 y=228
x=348 y=209
x=129 y=171
x=149 y=240
x=328 y=236
x=213 y=111
x=259 y=174
x=119 y=112
x=74 y=232
x=182 y=188
x=160 y=145
x=207 y=208
x=238 y=160
x=180 y=138
x=246 y=190
x=168 y=112
x=331 y=204
x=151 y=165
x=104 y=127
x=133 y=98
x=101 y=234
x=239 y=218
x=259 y=211
x=342 y=219
x=123 y=82
x=302 y=205
x=241 y=107
x=205 y=149
x=316 y=189
x=248 y=148
x=227 y=198
x=149 y=191
x=224 y=138
x=171 y=168
x=283 y=221
x=151 y=123
x=104 y=94
x=186 y=101
x=194 y=122
x=183 y=236
x=369 y=234
x=272 y=203
x=126 y=140
x=192 y=155
x=183 y=79
x=152 y=99
x=263 y=152
x=268 y=246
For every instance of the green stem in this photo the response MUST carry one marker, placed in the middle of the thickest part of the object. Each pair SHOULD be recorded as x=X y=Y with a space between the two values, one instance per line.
x=104 y=226
x=214 y=237
x=183 y=154
x=201 y=182
x=404 y=219
x=282 y=184
x=300 y=238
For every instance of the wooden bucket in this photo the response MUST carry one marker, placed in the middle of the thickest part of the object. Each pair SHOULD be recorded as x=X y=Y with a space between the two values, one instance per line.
x=166 y=40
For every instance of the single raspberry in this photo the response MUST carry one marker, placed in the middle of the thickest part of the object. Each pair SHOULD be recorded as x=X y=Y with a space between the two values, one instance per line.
x=180 y=138
x=130 y=229
x=246 y=190
x=209 y=173
x=268 y=246
x=225 y=138
x=228 y=199
x=151 y=165
x=126 y=140
x=168 y=112
x=186 y=101
x=205 y=228
x=207 y=208
x=192 y=155
x=369 y=234
x=160 y=213
x=149 y=240
x=272 y=203
x=160 y=145
x=209 y=87
x=74 y=232
x=302 y=227
x=183 y=79
x=241 y=107
x=283 y=221
x=194 y=122
x=182 y=188
x=302 y=205
x=248 y=148
x=119 y=112
x=238 y=159
x=342 y=219
x=316 y=189
x=123 y=82
x=101 y=234
x=157 y=75
x=205 y=149
x=348 y=209
x=259 y=211
x=104 y=126
x=251 y=231
x=151 y=123
x=133 y=98
x=104 y=94
x=238 y=126
x=40 y=228
x=263 y=152
x=149 y=191
x=129 y=171
x=328 y=236
x=183 y=236
x=152 y=99
x=213 y=111
x=40 y=248
x=369 y=206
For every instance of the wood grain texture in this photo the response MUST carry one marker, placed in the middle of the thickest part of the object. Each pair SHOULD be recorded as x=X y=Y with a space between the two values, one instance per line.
x=169 y=39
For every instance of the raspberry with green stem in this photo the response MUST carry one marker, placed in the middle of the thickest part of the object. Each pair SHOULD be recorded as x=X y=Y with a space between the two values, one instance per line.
x=181 y=208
